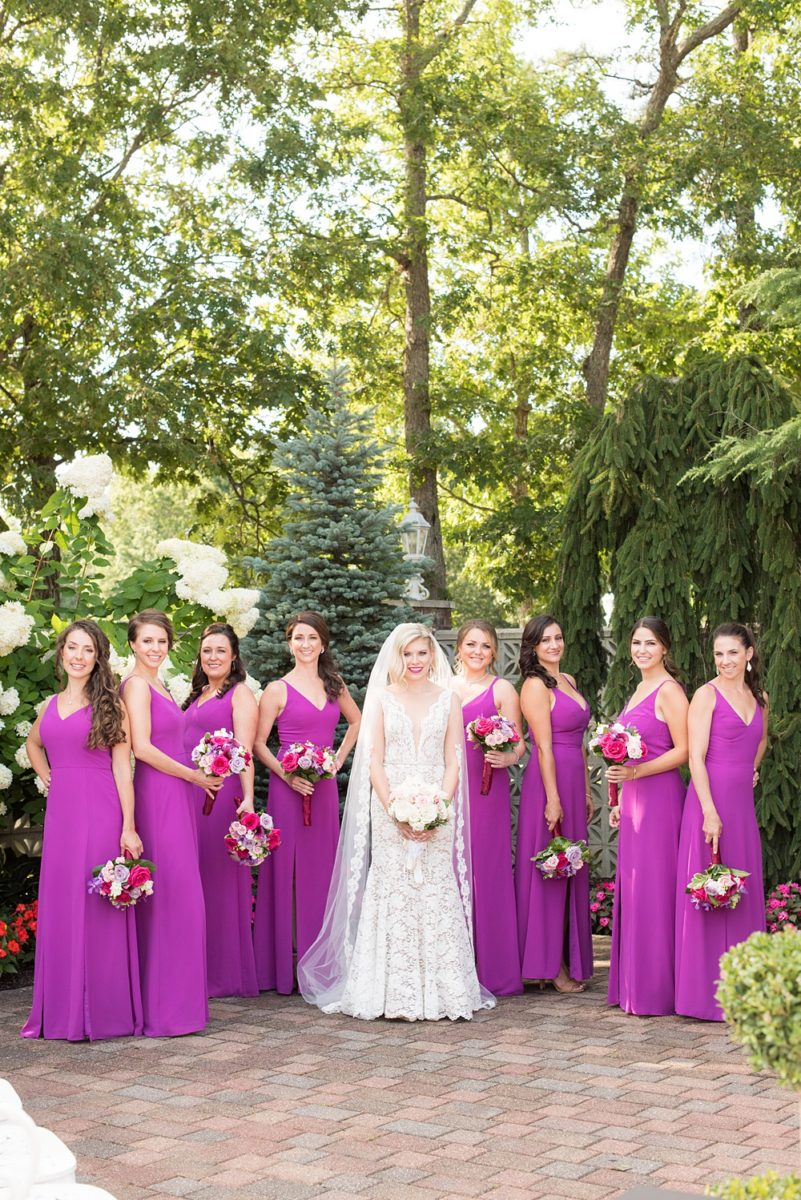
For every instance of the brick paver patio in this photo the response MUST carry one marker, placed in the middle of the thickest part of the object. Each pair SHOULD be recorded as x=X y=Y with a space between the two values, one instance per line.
x=546 y=1096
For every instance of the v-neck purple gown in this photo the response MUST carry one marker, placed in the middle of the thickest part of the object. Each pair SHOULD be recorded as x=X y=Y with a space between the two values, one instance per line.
x=171 y=924
x=293 y=882
x=644 y=920
x=702 y=937
x=494 y=913
x=546 y=907
x=230 y=963
x=86 y=975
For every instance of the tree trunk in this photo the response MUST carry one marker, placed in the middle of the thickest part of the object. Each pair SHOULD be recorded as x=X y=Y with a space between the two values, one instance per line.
x=745 y=226
x=672 y=54
x=414 y=269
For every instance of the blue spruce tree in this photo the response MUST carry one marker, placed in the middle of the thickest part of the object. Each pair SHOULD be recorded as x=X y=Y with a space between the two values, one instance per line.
x=340 y=551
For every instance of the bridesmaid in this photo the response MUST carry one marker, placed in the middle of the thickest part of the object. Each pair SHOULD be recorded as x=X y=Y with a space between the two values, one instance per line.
x=220 y=699
x=86 y=974
x=728 y=735
x=483 y=694
x=170 y=926
x=306 y=705
x=553 y=916
x=648 y=816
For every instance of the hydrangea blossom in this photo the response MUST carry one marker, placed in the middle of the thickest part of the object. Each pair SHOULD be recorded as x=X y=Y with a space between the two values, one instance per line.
x=12 y=542
x=90 y=477
x=40 y=785
x=120 y=665
x=200 y=578
x=15 y=626
x=6 y=778
x=12 y=522
x=21 y=758
x=23 y=728
x=254 y=686
x=238 y=606
x=179 y=687
x=3 y=809
x=9 y=701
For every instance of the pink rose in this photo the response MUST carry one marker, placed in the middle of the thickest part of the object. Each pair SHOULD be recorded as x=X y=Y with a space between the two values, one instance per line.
x=219 y=765
x=594 y=907
x=274 y=839
x=603 y=921
x=250 y=820
x=290 y=762
x=775 y=904
x=615 y=747
x=783 y=916
x=483 y=726
x=138 y=876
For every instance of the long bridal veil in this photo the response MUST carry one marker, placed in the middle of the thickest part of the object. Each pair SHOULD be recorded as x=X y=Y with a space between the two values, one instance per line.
x=323 y=970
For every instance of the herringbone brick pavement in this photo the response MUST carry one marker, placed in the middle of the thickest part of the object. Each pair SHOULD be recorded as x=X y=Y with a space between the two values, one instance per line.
x=547 y=1095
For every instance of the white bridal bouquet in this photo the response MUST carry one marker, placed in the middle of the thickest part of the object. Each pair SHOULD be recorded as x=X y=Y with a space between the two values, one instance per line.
x=421 y=806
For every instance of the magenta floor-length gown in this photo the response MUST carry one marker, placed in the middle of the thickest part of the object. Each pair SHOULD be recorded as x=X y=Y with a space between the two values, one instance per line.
x=494 y=912
x=171 y=924
x=644 y=920
x=553 y=915
x=702 y=937
x=86 y=975
x=230 y=962
x=293 y=883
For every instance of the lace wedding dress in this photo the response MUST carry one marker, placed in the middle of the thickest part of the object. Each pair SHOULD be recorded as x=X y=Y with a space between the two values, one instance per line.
x=412 y=956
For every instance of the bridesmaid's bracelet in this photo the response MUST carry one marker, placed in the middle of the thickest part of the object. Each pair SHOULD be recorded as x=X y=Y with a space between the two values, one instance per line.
x=634 y=776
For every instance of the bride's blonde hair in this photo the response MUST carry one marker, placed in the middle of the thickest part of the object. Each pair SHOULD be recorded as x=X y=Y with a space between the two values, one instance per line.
x=401 y=638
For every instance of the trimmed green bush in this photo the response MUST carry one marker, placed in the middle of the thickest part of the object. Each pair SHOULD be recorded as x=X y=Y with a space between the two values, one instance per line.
x=762 y=1187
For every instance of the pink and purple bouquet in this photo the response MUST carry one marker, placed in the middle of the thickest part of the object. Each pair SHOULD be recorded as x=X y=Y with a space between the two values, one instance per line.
x=309 y=762
x=561 y=858
x=421 y=806
x=617 y=744
x=123 y=881
x=220 y=755
x=251 y=838
x=717 y=887
x=491 y=733
x=784 y=907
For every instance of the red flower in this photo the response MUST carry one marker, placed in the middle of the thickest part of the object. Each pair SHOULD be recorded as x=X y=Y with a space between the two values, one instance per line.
x=290 y=762
x=250 y=820
x=13 y=947
x=2 y=952
x=274 y=838
x=3 y=928
x=220 y=765
x=614 y=746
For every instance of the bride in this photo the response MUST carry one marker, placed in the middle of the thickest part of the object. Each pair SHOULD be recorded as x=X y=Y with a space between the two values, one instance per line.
x=396 y=939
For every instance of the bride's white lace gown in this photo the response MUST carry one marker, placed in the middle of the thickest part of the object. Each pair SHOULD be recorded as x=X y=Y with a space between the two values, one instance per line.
x=412 y=957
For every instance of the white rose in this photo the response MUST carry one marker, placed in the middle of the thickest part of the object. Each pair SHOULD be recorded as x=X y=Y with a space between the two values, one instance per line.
x=9 y=701
x=23 y=728
x=15 y=626
x=11 y=543
x=6 y=778
x=21 y=758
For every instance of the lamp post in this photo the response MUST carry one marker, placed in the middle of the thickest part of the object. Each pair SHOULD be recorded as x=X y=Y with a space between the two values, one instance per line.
x=414 y=536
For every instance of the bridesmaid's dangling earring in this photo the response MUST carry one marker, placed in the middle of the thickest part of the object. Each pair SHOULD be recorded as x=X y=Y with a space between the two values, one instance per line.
x=748 y=666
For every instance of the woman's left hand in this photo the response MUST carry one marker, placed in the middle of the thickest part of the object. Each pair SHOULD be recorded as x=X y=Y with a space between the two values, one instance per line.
x=131 y=843
x=246 y=806
x=501 y=758
x=620 y=773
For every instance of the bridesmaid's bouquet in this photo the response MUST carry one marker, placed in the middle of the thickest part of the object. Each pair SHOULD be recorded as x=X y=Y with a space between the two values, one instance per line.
x=717 y=887
x=251 y=838
x=491 y=733
x=309 y=762
x=617 y=744
x=220 y=755
x=123 y=881
x=421 y=806
x=561 y=858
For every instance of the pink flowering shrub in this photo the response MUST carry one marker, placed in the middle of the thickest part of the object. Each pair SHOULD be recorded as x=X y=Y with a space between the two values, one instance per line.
x=602 y=897
x=784 y=907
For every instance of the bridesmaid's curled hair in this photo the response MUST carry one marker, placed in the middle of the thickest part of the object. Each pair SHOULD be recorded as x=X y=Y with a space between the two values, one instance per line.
x=485 y=627
x=326 y=665
x=237 y=673
x=530 y=665
x=151 y=616
x=108 y=716
x=743 y=634
x=659 y=629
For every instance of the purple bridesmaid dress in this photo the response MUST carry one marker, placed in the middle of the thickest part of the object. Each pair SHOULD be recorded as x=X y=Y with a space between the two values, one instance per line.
x=702 y=937
x=293 y=883
x=644 y=920
x=494 y=914
x=230 y=963
x=86 y=975
x=545 y=907
x=171 y=925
